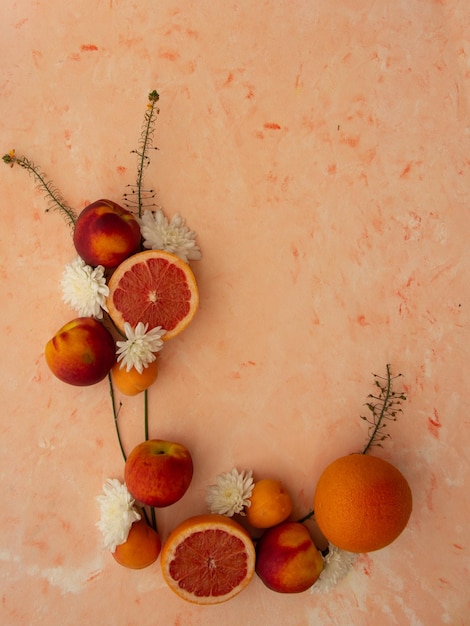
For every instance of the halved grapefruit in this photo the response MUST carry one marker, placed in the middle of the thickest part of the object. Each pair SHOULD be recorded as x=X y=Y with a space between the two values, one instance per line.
x=156 y=288
x=208 y=559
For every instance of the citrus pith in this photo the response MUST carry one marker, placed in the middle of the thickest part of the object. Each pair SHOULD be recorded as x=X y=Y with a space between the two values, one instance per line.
x=362 y=503
x=208 y=559
x=156 y=288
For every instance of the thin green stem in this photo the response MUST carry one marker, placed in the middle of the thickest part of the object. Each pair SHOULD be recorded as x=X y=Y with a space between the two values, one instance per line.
x=382 y=411
x=146 y=516
x=115 y=415
x=146 y=415
x=306 y=517
x=154 y=519
x=52 y=193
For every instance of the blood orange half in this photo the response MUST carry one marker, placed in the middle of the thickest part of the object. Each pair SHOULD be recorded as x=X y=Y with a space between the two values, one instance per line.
x=208 y=559
x=156 y=288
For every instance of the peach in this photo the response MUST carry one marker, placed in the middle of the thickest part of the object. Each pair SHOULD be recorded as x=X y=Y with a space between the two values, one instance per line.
x=81 y=353
x=287 y=560
x=158 y=473
x=106 y=234
x=270 y=504
x=141 y=547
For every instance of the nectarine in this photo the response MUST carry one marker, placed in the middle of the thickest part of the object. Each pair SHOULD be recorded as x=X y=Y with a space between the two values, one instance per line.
x=106 y=234
x=81 y=353
x=287 y=560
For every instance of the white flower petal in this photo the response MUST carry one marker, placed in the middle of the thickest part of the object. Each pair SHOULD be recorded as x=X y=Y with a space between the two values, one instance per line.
x=140 y=347
x=337 y=564
x=84 y=288
x=173 y=236
x=231 y=493
x=117 y=513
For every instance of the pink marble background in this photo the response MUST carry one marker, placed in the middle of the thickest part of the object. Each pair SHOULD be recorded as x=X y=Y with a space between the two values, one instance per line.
x=321 y=151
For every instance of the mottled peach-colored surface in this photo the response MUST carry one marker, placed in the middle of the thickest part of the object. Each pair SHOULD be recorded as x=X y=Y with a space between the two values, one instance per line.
x=321 y=151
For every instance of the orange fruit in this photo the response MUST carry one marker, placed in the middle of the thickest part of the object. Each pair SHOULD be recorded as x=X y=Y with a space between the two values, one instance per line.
x=141 y=548
x=156 y=288
x=131 y=382
x=362 y=503
x=208 y=559
x=270 y=504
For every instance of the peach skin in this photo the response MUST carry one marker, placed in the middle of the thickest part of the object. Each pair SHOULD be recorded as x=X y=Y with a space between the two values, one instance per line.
x=81 y=353
x=106 y=234
x=287 y=560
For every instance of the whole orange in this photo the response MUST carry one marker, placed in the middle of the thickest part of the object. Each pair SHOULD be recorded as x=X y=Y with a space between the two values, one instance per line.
x=130 y=383
x=270 y=504
x=141 y=548
x=362 y=503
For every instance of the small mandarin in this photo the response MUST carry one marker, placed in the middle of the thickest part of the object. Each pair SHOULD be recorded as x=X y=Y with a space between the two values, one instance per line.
x=131 y=382
x=362 y=503
x=141 y=548
x=270 y=504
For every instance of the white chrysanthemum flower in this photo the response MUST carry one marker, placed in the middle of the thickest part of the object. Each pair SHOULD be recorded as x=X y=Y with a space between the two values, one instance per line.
x=139 y=349
x=174 y=236
x=84 y=288
x=337 y=564
x=117 y=513
x=231 y=493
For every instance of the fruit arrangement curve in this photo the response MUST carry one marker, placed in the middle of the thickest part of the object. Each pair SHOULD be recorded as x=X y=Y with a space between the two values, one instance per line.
x=132 y=288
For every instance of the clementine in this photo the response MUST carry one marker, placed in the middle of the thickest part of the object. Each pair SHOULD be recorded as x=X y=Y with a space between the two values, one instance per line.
x=131 y=382
x=141 y=548
x=362 y=503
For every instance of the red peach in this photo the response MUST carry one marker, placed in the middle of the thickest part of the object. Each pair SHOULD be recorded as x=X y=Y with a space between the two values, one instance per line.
x=81 y=353
x=106 y=234
x=287 y=560
x=158 y=473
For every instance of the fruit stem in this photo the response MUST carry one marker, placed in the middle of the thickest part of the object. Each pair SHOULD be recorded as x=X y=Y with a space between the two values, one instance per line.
x=115 y=415
x=52 y=193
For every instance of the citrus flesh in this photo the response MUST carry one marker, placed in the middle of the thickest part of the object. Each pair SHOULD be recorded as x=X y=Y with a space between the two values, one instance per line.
x=362 y=503
x=156 y=288
x=208 y=559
